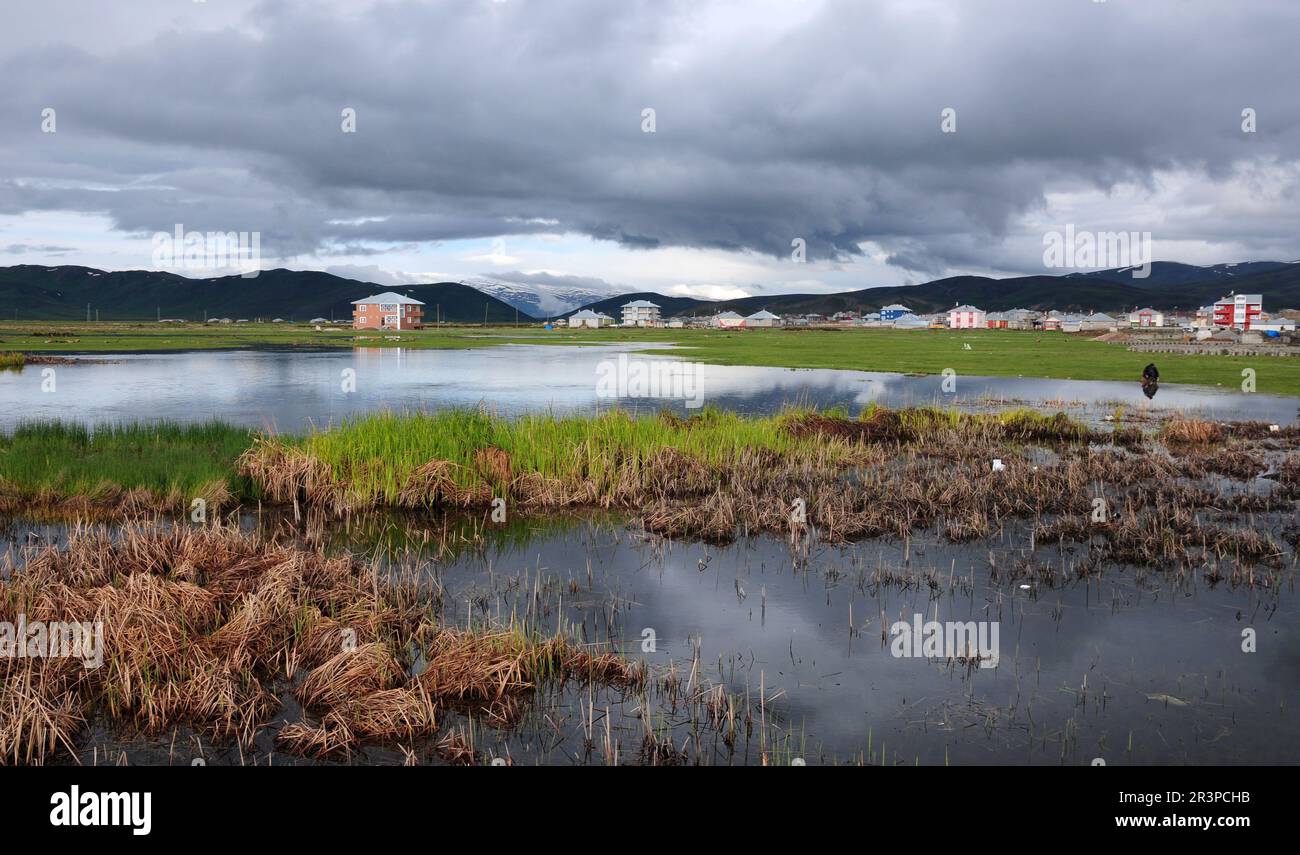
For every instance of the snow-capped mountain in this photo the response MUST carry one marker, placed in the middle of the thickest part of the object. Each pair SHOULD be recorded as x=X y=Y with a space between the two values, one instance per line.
x=1174 y=273
x=540 y=300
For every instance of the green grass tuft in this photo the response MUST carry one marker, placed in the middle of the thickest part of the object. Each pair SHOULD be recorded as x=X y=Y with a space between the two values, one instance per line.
x=72 y=460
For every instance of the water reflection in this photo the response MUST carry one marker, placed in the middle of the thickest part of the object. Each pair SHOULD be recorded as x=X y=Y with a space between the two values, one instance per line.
x=290 y=391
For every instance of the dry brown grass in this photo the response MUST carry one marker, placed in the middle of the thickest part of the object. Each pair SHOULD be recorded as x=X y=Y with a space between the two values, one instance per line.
x=109 y=502
x=207 y=628
x=1186 y=431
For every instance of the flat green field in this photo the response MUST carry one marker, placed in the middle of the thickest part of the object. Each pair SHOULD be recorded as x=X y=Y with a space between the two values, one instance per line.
x=992 y=352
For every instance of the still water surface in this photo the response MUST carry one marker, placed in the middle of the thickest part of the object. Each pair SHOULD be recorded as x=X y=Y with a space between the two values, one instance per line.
x=291 y=390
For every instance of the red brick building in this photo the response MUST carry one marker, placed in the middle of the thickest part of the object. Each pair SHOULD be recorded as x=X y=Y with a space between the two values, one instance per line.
x=387 y=311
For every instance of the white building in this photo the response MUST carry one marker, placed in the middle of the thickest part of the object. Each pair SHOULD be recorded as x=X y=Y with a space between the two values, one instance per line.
x=967 y=318
x=641 y=313
x=1274 y=325
x=588 y=318
x=1072 y=323
x=1147 y=317
x=728 y=320
x=763 y=318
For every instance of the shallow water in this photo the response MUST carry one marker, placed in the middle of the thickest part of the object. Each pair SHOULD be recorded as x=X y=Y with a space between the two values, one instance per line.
x=1077 y=663
x=290 y=390
x=1130 y=666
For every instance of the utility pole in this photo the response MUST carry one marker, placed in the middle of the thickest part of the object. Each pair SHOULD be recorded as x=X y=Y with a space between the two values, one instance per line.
x=485 y=305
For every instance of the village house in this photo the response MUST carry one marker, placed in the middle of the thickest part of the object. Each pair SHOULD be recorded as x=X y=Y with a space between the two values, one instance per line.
x=967 y=318
x=728 y=320
x=893 y=312
x=1147 y=317
x=763 y=318
x=1020 y=319
x=1276 y=325
x=387 y=311
x=996 y=320
x=641 y=313
x=1099 y=322
x=589 y=319
x=909 y=321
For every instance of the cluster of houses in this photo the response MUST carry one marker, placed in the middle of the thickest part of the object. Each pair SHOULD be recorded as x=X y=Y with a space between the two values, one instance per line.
x=643 y=313
x=967 y=317
x=1239 y=312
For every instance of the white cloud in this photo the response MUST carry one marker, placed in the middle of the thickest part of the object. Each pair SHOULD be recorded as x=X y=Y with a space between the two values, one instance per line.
x=708 y=292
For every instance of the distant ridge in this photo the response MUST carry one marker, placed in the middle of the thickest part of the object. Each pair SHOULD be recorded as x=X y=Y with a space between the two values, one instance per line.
x=62 y=293
x=1173 y=273
x=1279 y=282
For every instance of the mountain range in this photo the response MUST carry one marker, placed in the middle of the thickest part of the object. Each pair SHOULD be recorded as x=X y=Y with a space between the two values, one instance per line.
x=64 y=293
x=1170 y=286
x=32 y=292
x=537 y=299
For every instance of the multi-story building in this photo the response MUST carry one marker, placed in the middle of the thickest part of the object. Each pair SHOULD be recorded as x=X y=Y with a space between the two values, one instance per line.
x=1238 y=311
x=967 y=318
x=641 y=313
x=387 y=311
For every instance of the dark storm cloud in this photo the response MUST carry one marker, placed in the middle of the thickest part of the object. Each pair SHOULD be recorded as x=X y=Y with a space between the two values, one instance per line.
x=775 y=121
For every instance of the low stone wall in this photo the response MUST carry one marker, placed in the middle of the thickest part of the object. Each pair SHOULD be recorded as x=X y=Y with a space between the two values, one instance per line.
x=1218 y=349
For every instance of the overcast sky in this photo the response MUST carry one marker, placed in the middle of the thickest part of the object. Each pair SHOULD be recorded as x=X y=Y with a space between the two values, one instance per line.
x=506 y=138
